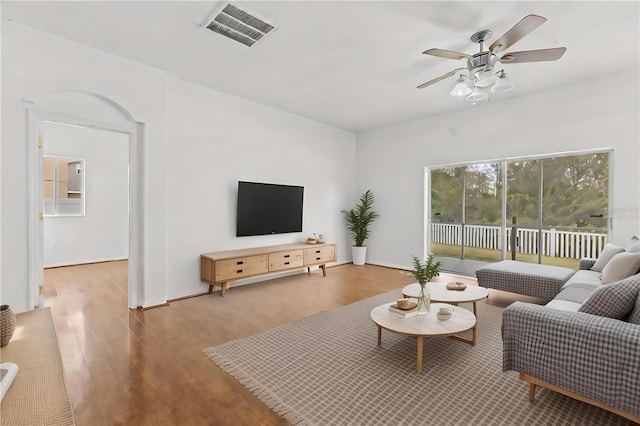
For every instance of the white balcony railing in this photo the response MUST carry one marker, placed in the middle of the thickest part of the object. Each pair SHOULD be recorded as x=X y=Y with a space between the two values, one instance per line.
x=555 y=243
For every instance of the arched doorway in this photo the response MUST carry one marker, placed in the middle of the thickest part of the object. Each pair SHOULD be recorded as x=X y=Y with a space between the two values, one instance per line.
x=90 y=111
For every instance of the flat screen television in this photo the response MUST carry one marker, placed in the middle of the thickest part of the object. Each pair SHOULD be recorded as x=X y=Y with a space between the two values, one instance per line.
x=267 y=208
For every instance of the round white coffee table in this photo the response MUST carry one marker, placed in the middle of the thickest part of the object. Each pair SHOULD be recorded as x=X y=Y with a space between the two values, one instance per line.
x=422 y=326
x=438 y=292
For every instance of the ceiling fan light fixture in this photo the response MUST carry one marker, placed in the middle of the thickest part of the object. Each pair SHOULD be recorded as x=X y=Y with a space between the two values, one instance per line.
x=504 y=84
x=477 y=95
x=461 y=88
x=485 y=78
x=481 y=72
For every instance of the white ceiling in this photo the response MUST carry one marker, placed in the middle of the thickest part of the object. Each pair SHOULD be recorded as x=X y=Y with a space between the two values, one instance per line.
x=354 y=65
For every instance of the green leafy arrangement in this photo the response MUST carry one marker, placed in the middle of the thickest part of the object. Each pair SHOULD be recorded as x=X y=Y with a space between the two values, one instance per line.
x=425 y=271
x=359 y=218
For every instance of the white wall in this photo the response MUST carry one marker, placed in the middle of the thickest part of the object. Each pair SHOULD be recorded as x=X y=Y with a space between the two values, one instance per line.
x=595 y=114
x=36 y=66
x=103 y=232
x=217 y=140
x=198 y=143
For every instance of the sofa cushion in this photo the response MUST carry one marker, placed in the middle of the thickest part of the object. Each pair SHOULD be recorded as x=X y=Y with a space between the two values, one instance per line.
x=621 y=266
x=577 y=293
x=606 y=255
x=582 y=277
x=615 y=300
x=634 y=245
x=634 y=316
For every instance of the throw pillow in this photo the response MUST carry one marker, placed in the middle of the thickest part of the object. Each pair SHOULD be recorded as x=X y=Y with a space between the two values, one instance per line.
x=634 y=245
x=608 y=252
x=614 y=300
x=621 y=266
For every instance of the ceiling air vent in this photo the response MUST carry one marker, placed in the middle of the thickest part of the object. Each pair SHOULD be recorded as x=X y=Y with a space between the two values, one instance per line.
x=239 y=24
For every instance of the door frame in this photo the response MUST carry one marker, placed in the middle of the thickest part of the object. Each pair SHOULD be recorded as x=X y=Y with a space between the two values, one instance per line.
x=35 y=120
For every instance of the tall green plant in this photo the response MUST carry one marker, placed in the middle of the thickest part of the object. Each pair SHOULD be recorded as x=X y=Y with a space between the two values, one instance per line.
x=359 y=218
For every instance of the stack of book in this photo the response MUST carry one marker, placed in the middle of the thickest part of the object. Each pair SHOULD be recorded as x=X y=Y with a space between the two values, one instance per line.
x=405 y=313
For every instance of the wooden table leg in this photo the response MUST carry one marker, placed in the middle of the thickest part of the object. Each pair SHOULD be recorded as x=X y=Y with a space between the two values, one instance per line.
x=532 y=392
x=419 y=355
x=324 y=270
x=379 y=335
x=224 y=289
x=473 y=337
x=210 y=288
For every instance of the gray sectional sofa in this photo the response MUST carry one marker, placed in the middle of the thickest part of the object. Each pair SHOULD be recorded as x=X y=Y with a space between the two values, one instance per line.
x=585 y=342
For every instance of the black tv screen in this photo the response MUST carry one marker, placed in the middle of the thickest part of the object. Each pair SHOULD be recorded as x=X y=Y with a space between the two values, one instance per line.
x=267 y=208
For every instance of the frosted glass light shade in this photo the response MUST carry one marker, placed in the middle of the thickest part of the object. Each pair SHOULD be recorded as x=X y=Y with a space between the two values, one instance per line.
x=477 y=95
x=503 y=84
x=486 y=78
x=460 y=89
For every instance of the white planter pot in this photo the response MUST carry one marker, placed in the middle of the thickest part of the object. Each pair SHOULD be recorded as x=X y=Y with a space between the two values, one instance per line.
x=358 y=254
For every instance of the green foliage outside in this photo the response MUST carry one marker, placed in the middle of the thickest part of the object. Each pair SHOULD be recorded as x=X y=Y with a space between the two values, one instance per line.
x=574 y=198
x=574 y=192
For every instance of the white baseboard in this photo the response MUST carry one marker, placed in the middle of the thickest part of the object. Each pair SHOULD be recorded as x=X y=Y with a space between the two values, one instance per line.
x=82 y=262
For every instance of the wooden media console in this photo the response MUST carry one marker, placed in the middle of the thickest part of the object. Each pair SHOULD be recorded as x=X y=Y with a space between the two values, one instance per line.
x=222 y=267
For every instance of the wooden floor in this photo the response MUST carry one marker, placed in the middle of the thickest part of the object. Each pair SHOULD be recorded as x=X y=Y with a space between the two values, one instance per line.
x=138 y=367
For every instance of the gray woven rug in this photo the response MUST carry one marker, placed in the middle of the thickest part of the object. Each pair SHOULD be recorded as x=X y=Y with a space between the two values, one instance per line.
x=327 y=369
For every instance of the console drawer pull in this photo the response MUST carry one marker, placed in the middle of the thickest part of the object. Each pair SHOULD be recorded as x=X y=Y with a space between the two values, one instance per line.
x=317 y=258
x=317 y=251
x=286 y=256
x=286 y=263
x=239 y=271
x=239 y=262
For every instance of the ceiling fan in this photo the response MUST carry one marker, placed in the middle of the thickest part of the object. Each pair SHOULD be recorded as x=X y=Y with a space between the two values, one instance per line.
x=481 y=73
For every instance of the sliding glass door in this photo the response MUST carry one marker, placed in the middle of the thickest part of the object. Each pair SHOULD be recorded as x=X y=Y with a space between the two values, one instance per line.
x=447 y=211
x=575 y=207
x=523 y=210
x=551 y=210
x=482 y=212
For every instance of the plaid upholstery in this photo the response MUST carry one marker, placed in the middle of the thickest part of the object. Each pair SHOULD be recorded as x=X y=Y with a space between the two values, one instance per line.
x=576 y=293
x=586 y=263
x=615 y=300
x=593 y=356
x=532 y=279
x=634 y=316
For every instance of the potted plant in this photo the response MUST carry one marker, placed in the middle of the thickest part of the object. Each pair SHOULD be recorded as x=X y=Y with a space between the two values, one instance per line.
x=424 y=272
x=358 y=220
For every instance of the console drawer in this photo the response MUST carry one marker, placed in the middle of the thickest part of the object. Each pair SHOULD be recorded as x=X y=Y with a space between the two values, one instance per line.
x=228 y=269
x=319 y=255
x=285 y=260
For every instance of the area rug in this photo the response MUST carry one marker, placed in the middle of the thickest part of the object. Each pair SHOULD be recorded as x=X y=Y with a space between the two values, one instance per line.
x=38 y=395
x=327 y=369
